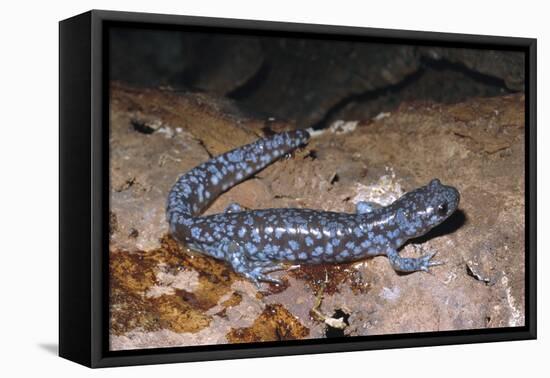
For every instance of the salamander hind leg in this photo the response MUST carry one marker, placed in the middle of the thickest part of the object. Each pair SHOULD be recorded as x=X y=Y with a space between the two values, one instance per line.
x=406 y=264
x=256 y=271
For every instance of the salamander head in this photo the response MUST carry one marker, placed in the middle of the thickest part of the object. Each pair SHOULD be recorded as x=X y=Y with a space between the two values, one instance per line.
x=424 y=208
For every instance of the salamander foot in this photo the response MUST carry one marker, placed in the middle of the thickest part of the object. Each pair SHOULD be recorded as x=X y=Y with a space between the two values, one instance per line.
x=260 y=273
x=256 y=271
x=406 y=264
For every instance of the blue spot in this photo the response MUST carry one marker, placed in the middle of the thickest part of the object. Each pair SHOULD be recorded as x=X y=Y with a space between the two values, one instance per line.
x=294 y=245
x=196 y=232
x=309 y=241
x=393 y=234
x=186 y=189
x=365 y=243
x=251 y=248
x=317 y=251
x=380 y=239
x=235 y=156
x=363 y=208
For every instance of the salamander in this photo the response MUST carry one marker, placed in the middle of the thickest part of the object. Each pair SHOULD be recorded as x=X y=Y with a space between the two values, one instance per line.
x=258 y=242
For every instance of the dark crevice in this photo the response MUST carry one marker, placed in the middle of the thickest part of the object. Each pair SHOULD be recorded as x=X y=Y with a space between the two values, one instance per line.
x=282 y=196
x=477 y=276
x=252 y=84
x=471 y=273
x=142 y=127
x=427 y=65
x=311 y=155
x=366 y=96
x=201 y=143
x=337 y=332
x=188 y=77
x=267 y=130
x=126 y=185
x=476 y=76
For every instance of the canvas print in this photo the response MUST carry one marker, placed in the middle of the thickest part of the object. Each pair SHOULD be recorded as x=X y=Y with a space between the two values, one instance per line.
x=268 y=187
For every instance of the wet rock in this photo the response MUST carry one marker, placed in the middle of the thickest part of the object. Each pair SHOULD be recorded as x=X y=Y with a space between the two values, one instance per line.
x=163 y=294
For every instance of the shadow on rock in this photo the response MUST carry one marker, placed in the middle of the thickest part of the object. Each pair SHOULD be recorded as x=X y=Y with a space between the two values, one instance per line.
x=453 y=223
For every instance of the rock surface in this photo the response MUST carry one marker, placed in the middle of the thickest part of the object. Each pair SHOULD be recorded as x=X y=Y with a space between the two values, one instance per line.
x=505 y=65
x=163 y=294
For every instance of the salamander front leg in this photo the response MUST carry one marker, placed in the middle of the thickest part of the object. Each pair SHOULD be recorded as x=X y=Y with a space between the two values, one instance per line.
x=406 y=264
x=256 y=271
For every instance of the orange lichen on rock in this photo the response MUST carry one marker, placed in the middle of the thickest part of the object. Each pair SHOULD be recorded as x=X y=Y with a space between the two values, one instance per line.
x=330 y=277
x=274 y=324
x=133 y=275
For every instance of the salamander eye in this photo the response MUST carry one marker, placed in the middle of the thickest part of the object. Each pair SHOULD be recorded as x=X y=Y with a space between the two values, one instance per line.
x=442 y=208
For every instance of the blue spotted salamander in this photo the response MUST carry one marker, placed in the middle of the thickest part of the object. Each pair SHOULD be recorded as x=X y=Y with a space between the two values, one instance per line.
x=258 y=242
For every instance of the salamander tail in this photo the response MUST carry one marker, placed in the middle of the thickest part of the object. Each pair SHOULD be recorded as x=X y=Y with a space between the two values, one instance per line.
x=197 y=189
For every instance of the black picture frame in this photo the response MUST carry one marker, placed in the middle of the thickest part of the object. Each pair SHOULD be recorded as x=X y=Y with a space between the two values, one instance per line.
x=83 y=197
